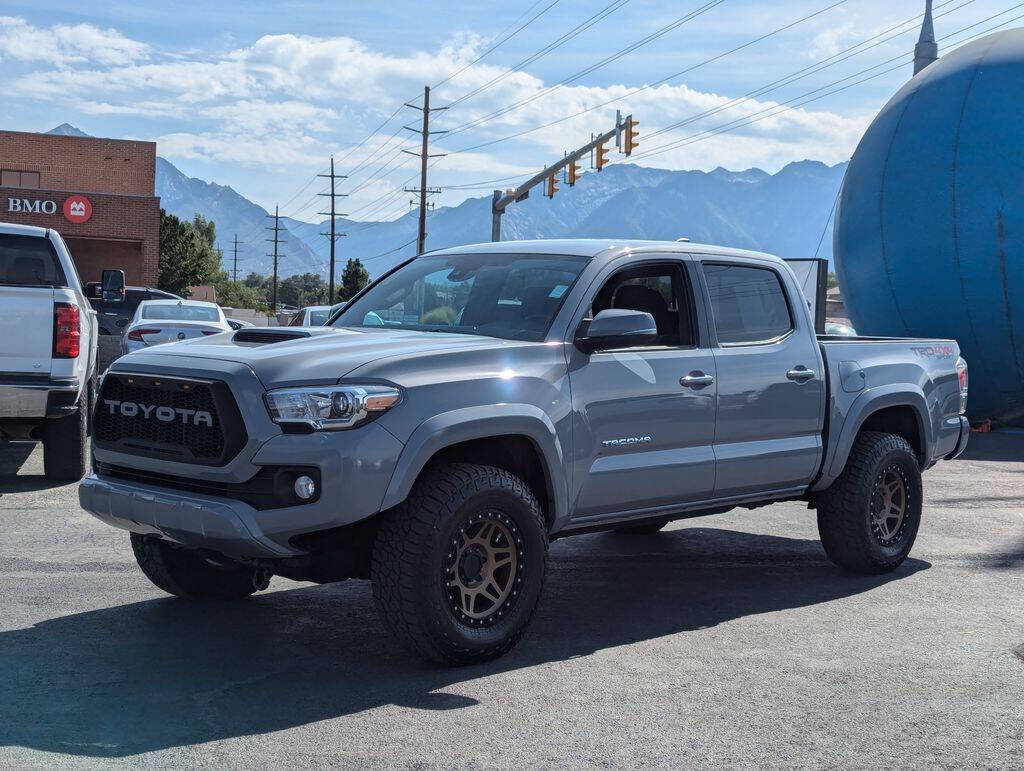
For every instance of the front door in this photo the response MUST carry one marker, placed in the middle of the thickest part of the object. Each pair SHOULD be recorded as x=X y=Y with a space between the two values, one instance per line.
x=644 y=416
x=771 y=394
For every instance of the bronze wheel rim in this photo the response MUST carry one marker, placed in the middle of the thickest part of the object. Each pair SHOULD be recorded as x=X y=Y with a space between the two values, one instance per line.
x=483 y=570
x=890 y=503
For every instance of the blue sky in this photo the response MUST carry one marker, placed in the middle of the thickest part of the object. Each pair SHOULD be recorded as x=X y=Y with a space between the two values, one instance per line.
x=259 y=95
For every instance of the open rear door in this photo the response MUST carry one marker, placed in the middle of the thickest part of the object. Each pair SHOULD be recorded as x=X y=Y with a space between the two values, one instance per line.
x=812 y=276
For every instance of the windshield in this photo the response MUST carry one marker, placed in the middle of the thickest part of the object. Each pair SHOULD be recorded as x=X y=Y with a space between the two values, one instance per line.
x=511 y=296
x=318 y=318
x=180 y=313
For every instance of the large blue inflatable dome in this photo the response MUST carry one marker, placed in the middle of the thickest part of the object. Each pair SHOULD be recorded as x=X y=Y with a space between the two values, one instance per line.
x=929 y=236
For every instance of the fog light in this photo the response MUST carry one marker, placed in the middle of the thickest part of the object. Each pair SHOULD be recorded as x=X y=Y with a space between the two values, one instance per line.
x=305 y=487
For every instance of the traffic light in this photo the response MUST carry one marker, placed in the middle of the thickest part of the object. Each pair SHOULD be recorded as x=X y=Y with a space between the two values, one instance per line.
x=602 y=157
x=552 y=186
x=631 y=134
x=574 y=172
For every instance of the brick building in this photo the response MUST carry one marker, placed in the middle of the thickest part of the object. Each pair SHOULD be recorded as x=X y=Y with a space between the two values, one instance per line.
x=99 y=194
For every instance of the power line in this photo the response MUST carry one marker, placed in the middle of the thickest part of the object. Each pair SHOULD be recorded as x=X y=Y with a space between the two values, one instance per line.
x=823 y=64
x=689 y=16
x=502 y=41
x=791 y=104
x=390 y=251
x=656 y=83
x=556 y=43
x=813 y=69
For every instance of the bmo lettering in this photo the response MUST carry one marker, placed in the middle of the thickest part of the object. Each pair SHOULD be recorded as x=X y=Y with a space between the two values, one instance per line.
x=24 y=205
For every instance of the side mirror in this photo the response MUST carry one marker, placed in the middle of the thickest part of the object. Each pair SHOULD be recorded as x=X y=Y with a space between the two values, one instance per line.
x=112 y=285
x=618 y=328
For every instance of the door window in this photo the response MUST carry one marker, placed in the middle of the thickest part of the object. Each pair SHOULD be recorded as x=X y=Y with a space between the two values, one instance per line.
x=660 y=290
x=749 y=304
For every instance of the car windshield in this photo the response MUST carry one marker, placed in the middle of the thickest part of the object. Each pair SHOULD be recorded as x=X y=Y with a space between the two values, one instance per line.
x=180 y=312
x=510 y=296
x=318 y=318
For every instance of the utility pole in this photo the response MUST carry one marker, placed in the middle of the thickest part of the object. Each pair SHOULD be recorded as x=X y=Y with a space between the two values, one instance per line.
x=549 y=175
x=332 y=235
x=276 y=240
x=234 y=250
x=423 y=190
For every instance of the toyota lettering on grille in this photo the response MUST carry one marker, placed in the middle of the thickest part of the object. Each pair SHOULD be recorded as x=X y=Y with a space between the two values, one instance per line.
x=162 y=413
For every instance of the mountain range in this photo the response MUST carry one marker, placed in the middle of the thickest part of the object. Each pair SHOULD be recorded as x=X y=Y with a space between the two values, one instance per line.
x=783 y=213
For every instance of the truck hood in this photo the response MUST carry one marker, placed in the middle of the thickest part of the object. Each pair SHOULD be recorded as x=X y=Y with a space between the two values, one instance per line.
x=321 y=355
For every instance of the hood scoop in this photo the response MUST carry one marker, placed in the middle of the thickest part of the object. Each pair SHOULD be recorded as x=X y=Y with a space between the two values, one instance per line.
x=268 y=335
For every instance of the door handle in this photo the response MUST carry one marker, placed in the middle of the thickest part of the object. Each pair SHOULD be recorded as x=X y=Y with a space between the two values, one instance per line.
x=800 y=374
x=696 y=379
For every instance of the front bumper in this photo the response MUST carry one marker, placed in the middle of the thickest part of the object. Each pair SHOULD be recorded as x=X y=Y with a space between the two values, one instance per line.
x=355 y=469
x=31 y=396
x=196 y=521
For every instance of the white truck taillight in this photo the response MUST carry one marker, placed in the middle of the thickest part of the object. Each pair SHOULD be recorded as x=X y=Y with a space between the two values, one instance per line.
x=67 y=334
x=961 y=373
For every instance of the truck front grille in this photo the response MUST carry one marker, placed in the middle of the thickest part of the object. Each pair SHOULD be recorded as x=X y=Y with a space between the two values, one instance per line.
x=188 y=421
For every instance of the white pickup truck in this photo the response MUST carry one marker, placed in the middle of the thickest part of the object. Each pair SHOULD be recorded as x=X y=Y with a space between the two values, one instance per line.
x=48 y=335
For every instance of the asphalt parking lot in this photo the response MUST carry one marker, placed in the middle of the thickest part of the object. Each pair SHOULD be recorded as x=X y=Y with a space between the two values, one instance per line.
x=728 y=640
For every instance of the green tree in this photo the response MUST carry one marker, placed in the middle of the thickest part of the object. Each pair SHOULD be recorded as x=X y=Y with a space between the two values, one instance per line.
x=302 y=289
x=187 y=256
x=353 y=279
x=240 y=295
x=832 y=280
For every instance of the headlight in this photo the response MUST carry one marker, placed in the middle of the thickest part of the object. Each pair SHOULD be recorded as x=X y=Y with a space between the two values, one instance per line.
x=330 y=408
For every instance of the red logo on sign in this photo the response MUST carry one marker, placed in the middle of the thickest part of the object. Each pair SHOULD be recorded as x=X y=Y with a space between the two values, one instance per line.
x=77 y=208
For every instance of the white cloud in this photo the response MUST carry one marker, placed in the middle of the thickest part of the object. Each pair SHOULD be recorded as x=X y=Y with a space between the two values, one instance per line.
x=286 y=101
x=291 y=153
x=261 y=117
x=63 y=45
x=830 y=41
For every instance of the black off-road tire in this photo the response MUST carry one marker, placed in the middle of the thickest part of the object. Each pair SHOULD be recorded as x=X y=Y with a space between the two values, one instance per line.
x=416 y=541
x=186 y=573
x=65 y=444
x=647 y=528
x=844 y=509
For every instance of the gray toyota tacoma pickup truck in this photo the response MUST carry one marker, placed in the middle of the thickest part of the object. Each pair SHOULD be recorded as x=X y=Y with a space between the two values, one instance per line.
x=474 y=403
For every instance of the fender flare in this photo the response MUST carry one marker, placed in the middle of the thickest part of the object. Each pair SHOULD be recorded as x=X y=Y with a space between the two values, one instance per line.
x=481 y=422
x=868 y=403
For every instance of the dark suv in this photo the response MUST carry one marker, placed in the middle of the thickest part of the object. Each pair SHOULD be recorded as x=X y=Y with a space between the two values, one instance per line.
x=113 y=316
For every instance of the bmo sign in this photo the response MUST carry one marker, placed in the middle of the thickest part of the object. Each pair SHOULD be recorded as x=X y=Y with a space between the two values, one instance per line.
x=76 y=208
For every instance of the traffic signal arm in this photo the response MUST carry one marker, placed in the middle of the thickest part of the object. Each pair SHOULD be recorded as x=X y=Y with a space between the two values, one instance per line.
x=548 y=176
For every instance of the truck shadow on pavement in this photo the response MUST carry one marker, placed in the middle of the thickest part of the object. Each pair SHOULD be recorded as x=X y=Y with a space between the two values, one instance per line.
x=13 y=455
x=165 y=673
